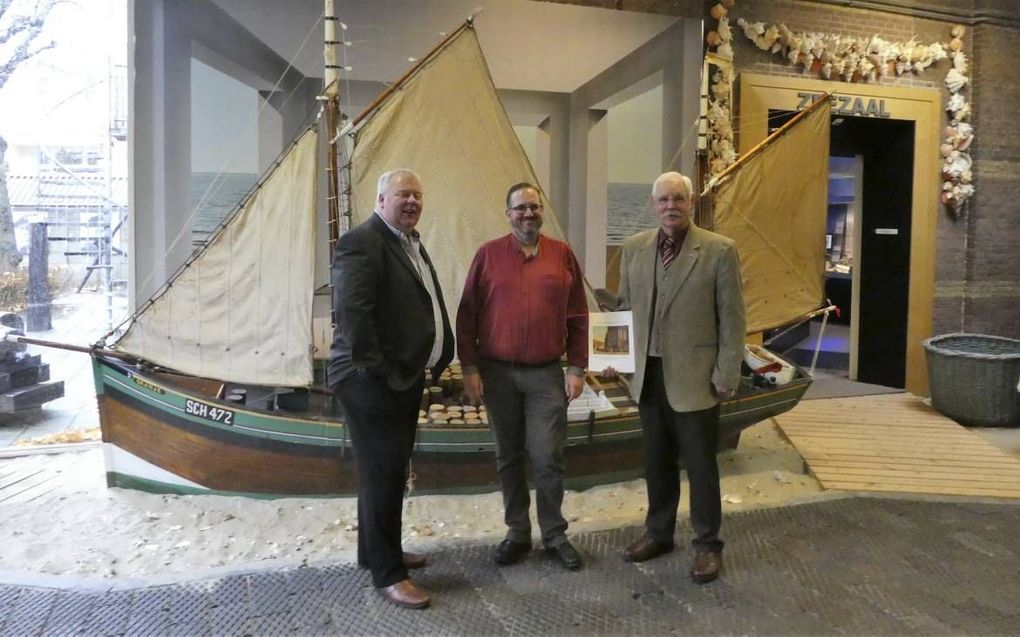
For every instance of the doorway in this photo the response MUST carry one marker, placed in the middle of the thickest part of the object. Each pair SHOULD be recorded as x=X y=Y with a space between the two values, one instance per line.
x=903 y=114
x=882 y=256
x=867 y=250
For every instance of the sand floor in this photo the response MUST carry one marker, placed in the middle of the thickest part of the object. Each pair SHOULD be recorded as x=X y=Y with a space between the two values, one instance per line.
x=86 y=530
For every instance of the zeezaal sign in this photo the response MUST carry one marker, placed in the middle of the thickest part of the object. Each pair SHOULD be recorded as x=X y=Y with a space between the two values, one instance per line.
x=847 y=104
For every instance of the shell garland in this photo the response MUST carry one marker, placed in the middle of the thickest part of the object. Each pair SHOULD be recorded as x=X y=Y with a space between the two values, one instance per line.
x=957 y=177
x=851 y=59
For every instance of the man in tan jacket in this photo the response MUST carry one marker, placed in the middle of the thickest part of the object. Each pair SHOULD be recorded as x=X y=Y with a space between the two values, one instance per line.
x=683 y=285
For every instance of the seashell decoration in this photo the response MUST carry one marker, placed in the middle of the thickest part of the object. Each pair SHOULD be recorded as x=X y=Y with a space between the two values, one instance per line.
x=719 y=142
x=957 y=186
x=849 y=58
x=955 y=80
x=854 y=59
x=724 y=30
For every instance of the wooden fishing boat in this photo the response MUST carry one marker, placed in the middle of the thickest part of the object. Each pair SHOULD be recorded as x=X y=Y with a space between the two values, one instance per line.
x=216 y=383
x=169 y=433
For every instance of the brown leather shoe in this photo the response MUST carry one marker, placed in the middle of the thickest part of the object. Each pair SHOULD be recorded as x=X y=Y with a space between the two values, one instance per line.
x=415 y=560
x=645 y=549
x=706 y=567
x=405 y=593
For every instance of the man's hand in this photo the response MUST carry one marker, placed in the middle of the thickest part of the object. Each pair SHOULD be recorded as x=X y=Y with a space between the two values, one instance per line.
x=473 y=387
x=724 y=392
x=572 y=385
x=609 y=372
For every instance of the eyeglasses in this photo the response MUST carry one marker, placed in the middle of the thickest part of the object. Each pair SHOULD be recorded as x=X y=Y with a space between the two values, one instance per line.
x=526 y=207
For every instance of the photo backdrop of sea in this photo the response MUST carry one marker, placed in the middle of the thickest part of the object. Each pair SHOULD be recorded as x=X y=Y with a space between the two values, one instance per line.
x=212 y=198
x=628 y=209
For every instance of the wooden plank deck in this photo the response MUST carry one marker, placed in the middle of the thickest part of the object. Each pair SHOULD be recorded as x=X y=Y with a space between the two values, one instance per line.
x=25 y=484
x=896 y=443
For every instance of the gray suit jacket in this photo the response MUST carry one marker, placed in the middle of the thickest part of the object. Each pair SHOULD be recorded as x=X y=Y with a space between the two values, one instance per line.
x=704 y=321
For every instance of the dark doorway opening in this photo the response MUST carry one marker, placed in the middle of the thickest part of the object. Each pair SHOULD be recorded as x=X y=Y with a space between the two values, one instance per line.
x=881 y=261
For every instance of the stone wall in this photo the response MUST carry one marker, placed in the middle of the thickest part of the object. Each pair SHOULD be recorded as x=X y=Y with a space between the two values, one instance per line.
x=978 y=253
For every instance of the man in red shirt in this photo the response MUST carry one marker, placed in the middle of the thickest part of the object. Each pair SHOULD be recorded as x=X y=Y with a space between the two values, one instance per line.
x=523 y=307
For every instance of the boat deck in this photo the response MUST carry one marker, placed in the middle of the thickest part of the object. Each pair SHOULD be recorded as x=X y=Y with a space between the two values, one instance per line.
x=896 y=443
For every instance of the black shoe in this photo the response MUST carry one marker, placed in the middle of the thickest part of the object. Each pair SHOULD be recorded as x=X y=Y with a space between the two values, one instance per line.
x=510 y=552
x=567 y=555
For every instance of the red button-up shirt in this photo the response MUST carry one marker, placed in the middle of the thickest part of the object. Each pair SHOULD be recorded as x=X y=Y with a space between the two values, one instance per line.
x=523 y=309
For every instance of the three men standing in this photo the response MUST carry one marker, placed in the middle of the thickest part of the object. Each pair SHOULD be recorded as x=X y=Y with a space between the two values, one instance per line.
x=391 y=324
x=522 y=308
x=683 y=285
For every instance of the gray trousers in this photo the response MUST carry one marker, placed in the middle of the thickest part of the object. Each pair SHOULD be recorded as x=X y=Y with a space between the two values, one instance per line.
x=528 y=415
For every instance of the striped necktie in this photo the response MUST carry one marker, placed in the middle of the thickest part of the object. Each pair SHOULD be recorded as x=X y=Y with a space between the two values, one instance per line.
x=666 y=252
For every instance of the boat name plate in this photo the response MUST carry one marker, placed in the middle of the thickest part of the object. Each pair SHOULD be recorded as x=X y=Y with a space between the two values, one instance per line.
x=208 y=412
x=141 y=382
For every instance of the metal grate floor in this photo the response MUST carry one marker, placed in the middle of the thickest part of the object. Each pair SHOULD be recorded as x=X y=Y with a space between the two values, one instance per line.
x=862 y=566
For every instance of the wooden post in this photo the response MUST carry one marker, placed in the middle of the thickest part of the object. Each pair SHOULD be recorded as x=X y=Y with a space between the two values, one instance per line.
x=37 y=316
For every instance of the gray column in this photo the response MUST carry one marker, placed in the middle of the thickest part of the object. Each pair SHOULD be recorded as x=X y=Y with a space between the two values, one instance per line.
x=681 y=85
x=271 y=138
x=284 y=116
x=159 y=152
x=586 y=221
x=557 y=126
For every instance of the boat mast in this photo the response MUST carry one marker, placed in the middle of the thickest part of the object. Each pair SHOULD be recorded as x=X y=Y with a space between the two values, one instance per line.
x=331 y=80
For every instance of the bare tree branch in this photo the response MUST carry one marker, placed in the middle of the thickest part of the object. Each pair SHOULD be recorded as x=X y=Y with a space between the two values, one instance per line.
x=18 y=44
x=21 y=55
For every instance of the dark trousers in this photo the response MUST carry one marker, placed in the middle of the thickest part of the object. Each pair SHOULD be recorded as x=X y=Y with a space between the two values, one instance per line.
x=668 y=436
x=382 y=423
x=528 y=410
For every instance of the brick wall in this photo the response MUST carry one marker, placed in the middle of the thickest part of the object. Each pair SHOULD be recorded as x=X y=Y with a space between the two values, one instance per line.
x=978 y=254
x=990 y=253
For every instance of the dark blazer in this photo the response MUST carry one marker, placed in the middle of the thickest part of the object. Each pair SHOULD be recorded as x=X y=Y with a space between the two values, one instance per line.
x=383 y=313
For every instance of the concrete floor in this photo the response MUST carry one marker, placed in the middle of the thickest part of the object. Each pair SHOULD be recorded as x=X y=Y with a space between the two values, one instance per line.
x=853 y=566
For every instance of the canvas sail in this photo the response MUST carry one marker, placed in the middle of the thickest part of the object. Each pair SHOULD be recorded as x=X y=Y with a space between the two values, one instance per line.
x=774 y=206
x=241 y=309
x=446 y=123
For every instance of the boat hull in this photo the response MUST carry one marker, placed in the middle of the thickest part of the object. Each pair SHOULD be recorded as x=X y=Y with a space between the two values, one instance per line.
x=172 y=437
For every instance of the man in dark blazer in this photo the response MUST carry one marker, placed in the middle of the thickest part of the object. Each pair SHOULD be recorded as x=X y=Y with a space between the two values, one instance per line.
x=683 y=285
x=391 y=324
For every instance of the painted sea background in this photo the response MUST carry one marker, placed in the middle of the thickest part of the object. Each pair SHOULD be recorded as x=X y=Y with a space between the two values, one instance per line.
x=627 y=204
x=628 y=211
x=212 y=198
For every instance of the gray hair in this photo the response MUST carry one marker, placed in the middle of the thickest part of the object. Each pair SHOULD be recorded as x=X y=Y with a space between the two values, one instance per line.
x=674 y=176
x=387 y=177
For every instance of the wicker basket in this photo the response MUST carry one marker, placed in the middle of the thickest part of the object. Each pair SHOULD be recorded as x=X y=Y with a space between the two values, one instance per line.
x=973 y=378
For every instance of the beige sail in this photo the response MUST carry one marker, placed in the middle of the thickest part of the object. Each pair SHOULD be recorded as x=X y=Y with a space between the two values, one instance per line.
x=446 y=123
x=774 y=206
x=241 y=309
